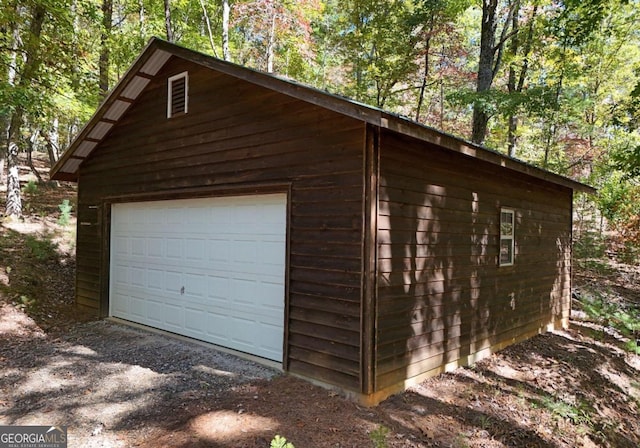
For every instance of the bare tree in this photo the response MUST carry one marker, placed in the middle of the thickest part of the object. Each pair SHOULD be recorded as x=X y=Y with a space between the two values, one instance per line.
x=517 y=77
x=11 y=29
x=225 y=30
x=208 y=23
x=103 y=63
x=167 y=20
x=14 y=139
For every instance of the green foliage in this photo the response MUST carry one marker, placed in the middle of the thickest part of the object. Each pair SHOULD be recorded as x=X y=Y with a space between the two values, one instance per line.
x=379 y=436
x=589 y=246
x=65 y=212
x=30 y=187
x=627 y=160
x=623 y=317
x=42 y=249
x=578 y=104
x=25 y=302
x=633 y=346
x=280 y=442
x=619 y=201
x=462 y=441
x=577 y=414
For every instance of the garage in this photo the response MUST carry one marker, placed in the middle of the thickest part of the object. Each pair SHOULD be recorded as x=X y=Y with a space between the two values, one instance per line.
x=209 y=268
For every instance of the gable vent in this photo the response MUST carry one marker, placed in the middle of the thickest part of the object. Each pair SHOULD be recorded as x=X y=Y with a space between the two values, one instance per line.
x=178 y=95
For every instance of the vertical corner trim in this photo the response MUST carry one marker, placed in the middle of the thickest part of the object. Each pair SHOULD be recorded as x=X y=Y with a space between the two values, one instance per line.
x=369 y=258
x=104 y=226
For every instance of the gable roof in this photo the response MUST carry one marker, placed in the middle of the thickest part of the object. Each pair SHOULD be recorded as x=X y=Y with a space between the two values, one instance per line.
x=158 y=52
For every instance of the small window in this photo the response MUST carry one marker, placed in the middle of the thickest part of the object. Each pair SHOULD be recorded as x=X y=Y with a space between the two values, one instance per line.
x=178 y=95
x=507 y=228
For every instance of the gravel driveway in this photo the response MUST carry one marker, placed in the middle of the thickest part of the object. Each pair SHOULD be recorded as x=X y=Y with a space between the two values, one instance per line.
x=103 y=378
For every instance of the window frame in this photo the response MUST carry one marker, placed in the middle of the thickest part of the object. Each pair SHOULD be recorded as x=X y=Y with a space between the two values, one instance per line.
x=170 y=82
x=504 y=237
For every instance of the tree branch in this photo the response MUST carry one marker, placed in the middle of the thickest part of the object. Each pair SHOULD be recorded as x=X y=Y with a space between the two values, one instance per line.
x=504 y=37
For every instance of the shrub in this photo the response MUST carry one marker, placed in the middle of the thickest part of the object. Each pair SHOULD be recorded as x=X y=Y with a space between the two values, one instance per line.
x=41 y=249
x=379 y=436
x=30 y=188
x=624 y=317
x=280 y=442
x=65 y=212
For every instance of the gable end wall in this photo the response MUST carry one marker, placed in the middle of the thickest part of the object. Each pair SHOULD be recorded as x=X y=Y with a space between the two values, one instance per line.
x=237 y=135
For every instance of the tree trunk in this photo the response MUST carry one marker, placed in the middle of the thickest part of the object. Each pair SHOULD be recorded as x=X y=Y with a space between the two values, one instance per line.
x=208 y=24
x=30 y=147
x=5 y=120
x=103 y=63
x=489 y=62
x=485 y=69
x=14 y=201
x=512 y=138
x=2 y=162
x=516 y=87
x=225 y=30
x=425 y=75
x=142 y=21
x=52 y=142
x=29 y=69
x=4 y=131
x=272 y=42
x=167 y=20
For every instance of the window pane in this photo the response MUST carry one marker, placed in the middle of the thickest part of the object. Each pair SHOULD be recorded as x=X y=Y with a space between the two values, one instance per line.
x=506 y=217
x=506 y=251
x=506 y=223
x=506 y=229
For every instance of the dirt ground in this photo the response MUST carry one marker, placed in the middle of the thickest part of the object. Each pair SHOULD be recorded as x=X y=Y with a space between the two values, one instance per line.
x=114 y=386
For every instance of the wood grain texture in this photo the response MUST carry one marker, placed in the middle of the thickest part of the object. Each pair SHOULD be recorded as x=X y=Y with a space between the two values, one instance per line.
x=392 y=242
x=441 y=295
x=237 y=134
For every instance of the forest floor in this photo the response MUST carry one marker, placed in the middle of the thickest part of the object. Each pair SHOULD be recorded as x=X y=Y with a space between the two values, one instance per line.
x=114 y=386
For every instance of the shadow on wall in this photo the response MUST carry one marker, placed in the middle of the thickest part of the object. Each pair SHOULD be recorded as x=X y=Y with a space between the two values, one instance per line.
x=443 y=299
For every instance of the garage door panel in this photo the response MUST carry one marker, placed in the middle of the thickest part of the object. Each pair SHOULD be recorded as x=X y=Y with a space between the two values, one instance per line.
x=120 y=245
x=138 y=307
x=195 y=249
x=211 y=268
x=196 y=321
x=174 y=316
x=155 y=279
x=218 y=327
x=155 y=314
x=172 y=282
x=174 y=248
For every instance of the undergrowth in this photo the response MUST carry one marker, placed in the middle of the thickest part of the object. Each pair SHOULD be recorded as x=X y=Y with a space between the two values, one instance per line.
x=624 y=317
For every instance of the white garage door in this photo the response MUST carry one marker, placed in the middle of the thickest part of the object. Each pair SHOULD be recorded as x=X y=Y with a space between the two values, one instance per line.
x=212 y=269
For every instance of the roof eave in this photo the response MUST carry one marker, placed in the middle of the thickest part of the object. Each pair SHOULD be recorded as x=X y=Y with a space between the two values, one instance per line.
x=368 y=114
x=116 y=94
x=456 y=144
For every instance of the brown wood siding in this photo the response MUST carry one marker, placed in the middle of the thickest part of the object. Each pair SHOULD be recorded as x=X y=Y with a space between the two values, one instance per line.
x=441 y=294
x=236 y=133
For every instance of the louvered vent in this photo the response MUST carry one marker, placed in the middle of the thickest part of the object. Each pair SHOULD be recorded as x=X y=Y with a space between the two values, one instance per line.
x=178 y=95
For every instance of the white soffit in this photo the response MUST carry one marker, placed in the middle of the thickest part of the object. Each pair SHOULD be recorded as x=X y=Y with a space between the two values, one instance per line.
x=117 y=109
x=100 y=130
x=71 y=165
x=85 y=148
x=135 y=86
x=155 y=62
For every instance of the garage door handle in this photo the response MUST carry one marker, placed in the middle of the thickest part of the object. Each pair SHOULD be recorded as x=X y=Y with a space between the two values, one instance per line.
x=182 y=291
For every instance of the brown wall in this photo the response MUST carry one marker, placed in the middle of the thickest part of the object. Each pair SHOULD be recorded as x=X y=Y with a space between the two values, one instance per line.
x=442 y=296
x=239 y=134
x=438 y=296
